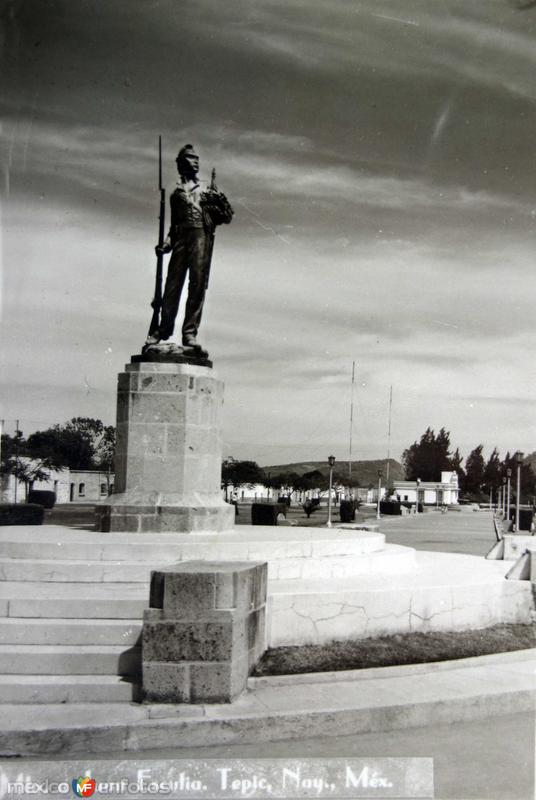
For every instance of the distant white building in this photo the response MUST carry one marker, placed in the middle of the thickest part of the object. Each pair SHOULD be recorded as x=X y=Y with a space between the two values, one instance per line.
x=15 y=491
x=69 y=486
x=89 y=485
x=443 y=492
x=259 y=493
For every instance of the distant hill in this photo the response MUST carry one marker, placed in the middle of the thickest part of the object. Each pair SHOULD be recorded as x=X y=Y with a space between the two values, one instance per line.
x=366 y=472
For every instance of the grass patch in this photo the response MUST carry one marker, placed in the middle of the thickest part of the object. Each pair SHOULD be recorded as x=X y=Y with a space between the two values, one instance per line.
x=395 y=650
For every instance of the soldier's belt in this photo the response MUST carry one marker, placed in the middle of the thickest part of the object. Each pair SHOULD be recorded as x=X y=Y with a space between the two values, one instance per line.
x=191 y=226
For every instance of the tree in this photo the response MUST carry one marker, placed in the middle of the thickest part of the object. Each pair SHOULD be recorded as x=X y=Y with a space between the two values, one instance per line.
x=528 y=478
x=311 y=481
x=429 y=457
x=81 y=443
x=492 y=472
x=16 y=461
x=104 y=449
x=286 y=482
x=474 y=471
x=240 y=473
x=456 y=465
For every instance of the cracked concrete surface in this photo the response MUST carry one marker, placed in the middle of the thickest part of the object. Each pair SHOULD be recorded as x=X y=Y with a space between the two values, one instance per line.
x=444 y=592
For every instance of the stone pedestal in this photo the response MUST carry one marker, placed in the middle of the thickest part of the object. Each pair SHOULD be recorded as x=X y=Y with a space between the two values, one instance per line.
x=168 y=455
x=204 y=632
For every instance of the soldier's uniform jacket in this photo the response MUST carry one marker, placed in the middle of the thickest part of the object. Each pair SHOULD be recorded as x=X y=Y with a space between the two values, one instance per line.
x=191 y=207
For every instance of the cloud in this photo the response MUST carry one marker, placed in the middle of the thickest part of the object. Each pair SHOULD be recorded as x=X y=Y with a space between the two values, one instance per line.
x=380 y=165
x=350 y=186
x=421 y=38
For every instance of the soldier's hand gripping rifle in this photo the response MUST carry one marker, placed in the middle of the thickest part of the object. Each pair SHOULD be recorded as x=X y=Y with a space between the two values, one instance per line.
x=160 y=248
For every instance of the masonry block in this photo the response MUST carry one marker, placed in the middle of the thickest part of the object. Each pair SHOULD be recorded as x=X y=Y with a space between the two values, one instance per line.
x=169 y=683
x=204 y=631
x=168 y=456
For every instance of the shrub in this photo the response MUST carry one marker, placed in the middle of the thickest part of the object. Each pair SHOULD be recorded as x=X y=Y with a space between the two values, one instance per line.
x=266 y=513
x=390 y=507
x=311 y=505
x=347 y=510
x=42 y=497
x=21 y=514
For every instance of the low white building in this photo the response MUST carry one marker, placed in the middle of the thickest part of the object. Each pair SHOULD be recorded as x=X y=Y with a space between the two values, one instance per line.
x=69 y=486
x=438 y=493
x=15 y=491
x=259 y=493
x=90 y=485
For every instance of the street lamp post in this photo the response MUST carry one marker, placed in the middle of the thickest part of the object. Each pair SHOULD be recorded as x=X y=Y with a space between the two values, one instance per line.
x=331 y=462
x=508 y=476
x=504 y=497
x=418 y=483
x=519 y=461
x=379 y=493
x=18 y=437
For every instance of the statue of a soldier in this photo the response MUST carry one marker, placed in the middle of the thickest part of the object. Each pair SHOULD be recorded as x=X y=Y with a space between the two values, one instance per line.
x=195 y=213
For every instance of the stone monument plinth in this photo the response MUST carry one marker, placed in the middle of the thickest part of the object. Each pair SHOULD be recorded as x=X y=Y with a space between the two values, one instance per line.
x=168 y=453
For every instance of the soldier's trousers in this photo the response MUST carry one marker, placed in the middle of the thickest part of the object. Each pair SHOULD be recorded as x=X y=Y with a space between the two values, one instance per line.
x=191 y=254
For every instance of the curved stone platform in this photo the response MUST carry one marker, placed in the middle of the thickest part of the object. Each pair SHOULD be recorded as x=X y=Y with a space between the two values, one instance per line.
x=445 y=591
x=63 y=590
x=33 y=553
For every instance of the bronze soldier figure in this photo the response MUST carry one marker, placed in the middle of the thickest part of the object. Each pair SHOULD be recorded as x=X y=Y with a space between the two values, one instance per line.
x=195 y=213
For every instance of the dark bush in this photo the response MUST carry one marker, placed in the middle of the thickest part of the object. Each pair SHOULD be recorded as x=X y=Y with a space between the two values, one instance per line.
x=266 y=513
x=526 y=515
x=21 y=514
x=42 y=497
x=285 y=500
x=390 y=507
x=347 y=510
x=311 y=505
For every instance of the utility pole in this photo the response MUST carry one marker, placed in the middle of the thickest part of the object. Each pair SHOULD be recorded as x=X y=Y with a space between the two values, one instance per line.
x=351 y=431
x=389 y=437
x=378 y=515
x=17 y=437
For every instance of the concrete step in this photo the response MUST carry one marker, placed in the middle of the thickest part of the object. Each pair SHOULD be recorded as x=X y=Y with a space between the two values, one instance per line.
x=69 y=632
x=64 y=571
x=393 y=558
x=300 y=707
x=248 y=542
x=73 y=600
x=33 y=659
x=44 y=689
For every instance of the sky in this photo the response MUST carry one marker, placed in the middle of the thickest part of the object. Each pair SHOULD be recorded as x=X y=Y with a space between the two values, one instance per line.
x=380 y=158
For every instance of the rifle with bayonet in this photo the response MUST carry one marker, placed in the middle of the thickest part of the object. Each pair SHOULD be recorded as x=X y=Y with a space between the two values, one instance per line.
x=157 y=299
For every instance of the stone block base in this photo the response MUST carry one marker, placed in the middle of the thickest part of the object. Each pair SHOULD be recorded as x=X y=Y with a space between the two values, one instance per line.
x=204 y=632
x=168 y=453
x=161 y=518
